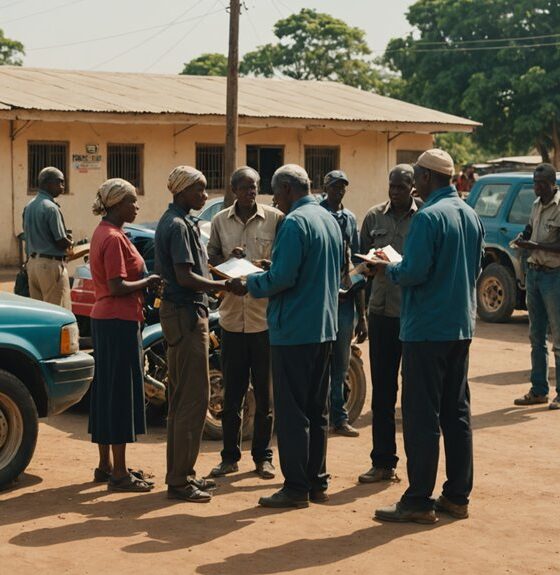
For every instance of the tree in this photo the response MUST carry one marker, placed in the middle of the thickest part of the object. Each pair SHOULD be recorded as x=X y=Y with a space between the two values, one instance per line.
x=211 y=64
x=315 y=46
x=11 y=51
x=495 y=61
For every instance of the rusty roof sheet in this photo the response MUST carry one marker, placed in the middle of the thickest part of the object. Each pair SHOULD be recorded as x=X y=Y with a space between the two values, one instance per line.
x=111 y=92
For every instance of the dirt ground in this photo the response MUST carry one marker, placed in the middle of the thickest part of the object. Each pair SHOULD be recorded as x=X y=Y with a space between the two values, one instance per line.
x=56 y=520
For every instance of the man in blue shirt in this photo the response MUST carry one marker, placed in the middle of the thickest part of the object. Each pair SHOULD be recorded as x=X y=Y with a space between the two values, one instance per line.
x=47 y=241
x=438 y=273
x=335 y=184
x=302 y=285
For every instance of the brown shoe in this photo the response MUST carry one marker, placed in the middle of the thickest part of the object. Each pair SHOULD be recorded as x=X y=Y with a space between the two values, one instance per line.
x=399 y=514
x=346 y=429
x=458 y=511
x=265 y=470
x=224 y=468
x=531 y=399
x=376 y=474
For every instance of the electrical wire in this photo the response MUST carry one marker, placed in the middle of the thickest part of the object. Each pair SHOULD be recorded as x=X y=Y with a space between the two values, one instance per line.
x=451 y=49
x=51 y=9
x=4 y=6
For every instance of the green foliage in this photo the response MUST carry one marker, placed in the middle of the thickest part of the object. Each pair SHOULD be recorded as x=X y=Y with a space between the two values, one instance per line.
x=462 y=147
x=212 y=64
x=513 y=90
x=11 y=51
x=315 y=46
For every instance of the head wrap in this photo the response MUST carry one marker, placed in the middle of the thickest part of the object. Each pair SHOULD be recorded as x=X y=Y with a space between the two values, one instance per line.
x=183 y=177
x=436 y=160
x=110 y=194
x=49 y=174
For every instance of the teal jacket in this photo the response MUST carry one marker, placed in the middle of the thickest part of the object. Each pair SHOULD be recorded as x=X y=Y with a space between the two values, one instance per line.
x=303 y=282
x=441 y=263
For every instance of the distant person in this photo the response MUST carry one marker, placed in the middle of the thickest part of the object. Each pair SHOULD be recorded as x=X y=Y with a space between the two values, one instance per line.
x=246 y=229
x=543 y=284
x=181 y=260
x=47 y=241
x=302 y=286
x=386 y=224
x=350 y=305
x=441 y=263
x=117 y=414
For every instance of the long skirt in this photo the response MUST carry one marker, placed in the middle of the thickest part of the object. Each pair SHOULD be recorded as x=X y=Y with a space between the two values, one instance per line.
x=117 y=414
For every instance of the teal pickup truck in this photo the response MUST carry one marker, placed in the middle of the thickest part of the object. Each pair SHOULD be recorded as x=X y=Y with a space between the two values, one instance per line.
x=41 y=373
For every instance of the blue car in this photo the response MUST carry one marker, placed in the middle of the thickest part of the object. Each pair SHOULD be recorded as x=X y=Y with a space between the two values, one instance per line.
x=42 y=373
x=503 y=202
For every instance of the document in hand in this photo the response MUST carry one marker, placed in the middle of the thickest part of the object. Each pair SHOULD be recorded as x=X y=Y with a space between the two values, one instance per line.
x=236 y=268
x=392 y=254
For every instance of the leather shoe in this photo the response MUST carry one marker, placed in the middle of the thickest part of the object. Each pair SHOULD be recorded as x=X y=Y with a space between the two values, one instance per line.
x=346 y=429
x=319 y=496
x=281 y=499
x=400 y=514
x=457 y=511
x=224 y=468
x=376 y=474
x=265 y=469
x=204 y=483
x=531 y=399
x=188 y=493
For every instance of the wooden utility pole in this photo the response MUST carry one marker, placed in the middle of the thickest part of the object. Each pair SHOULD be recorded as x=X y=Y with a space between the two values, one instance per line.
x=230 y=160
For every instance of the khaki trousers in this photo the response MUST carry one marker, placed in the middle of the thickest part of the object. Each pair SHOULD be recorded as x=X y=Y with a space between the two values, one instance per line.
x=48 y=281
x=186 y=333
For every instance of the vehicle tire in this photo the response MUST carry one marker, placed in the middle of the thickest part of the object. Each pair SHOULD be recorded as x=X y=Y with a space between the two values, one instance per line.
x=19 y=424
x=355 y=386
x=496 y=293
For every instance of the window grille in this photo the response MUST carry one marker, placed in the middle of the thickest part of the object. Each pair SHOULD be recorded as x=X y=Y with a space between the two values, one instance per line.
x=319 y=161
x=210 y=161
x=43 y=154
x=126 y=161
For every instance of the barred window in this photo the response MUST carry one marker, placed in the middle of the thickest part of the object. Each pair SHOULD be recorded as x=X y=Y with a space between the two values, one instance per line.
x=320 y=160
x=210 y=161
x=43 y=154
x=126 y=161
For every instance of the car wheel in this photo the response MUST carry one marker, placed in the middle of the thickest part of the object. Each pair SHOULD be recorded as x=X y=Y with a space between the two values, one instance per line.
x=355 y=386
x=496 y=293
x=19 y=425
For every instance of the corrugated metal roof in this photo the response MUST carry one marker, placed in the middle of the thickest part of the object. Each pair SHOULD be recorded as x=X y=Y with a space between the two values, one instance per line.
x=74 y=91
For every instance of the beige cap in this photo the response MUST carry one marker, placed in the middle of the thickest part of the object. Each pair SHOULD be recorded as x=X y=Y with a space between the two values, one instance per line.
x=436 y=160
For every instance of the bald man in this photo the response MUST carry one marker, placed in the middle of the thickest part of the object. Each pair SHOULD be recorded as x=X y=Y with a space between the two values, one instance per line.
x=386 y=224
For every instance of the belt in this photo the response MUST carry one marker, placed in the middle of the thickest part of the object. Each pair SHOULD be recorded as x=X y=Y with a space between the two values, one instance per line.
x=542 y=268
x=47 y=257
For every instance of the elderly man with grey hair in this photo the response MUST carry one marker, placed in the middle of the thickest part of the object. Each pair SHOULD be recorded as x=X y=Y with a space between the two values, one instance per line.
x=47 y=241
x=302 y=285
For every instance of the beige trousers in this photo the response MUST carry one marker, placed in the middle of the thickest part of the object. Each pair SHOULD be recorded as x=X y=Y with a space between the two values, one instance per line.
x=48 y=281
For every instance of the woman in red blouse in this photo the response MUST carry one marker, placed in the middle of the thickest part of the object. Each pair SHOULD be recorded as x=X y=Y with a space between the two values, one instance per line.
x=117 y=413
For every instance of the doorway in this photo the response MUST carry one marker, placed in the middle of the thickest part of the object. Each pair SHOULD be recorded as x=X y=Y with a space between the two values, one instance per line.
x=266 y=160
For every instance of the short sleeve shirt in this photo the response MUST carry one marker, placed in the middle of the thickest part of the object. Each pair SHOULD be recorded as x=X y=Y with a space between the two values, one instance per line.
x=545 y=221
x=112 y=255
x=178 y=241
x=43 y=226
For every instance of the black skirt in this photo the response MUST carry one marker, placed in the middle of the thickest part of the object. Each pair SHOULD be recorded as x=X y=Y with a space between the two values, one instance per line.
x=117 y=414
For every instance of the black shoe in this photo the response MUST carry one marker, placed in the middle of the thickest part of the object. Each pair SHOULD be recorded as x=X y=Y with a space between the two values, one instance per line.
x=265 y=469
x=224 y=468
x=376 y=474
x=400 y=514
x=204 y=483
x=319 y=496
x=281 y=500
x=188 y=493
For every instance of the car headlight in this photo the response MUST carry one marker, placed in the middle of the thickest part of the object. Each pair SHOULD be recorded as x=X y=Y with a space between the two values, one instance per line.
x=69 y=339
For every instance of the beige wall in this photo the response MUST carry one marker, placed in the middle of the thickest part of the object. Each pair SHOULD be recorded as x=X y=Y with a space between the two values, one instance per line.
x=365 y=156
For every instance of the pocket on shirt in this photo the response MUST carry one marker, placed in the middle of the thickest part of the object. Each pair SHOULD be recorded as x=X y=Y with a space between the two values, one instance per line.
x=264 y=246
x=379 y=238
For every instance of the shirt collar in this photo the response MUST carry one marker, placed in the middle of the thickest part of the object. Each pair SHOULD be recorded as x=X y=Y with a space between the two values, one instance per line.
x=308 y=199
x=178 y=210
x=413 y=207
x=555 y=200
x=46 y=196
x=259 y=213
x=437 y=195
x=327 y=206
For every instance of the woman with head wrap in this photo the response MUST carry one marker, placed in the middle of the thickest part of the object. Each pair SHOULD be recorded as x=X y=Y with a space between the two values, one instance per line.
x=117 y=395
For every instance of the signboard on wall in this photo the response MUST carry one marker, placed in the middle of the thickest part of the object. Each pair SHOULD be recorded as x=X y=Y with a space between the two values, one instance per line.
x=85 y=163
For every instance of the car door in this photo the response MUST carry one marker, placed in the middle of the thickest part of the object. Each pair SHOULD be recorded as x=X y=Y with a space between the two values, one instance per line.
x=489 y=206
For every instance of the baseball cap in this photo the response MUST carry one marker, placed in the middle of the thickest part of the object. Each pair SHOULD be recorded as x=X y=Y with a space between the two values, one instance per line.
x=335 y=176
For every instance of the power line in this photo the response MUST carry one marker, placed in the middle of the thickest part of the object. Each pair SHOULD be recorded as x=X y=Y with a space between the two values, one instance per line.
x=450 y=49
x=486 y=40
x=12 y=4
x=51 y=9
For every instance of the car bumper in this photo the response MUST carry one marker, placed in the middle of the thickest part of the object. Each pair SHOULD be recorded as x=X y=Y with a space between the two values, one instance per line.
x=69 y=379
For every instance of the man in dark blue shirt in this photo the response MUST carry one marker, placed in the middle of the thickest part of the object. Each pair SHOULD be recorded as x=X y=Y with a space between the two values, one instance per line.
x=438 y=273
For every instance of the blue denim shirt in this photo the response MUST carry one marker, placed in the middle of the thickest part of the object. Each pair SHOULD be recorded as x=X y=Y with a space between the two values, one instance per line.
x=303 y=282
x=441 y=263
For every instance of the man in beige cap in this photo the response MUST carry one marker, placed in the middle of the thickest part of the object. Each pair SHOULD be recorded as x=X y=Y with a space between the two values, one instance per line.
x=441 y=262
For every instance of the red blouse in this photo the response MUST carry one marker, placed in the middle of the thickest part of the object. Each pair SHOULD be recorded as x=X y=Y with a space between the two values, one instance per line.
x=112 y=255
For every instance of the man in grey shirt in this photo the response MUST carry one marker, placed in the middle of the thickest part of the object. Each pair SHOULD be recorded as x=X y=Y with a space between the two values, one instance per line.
x=47 y=241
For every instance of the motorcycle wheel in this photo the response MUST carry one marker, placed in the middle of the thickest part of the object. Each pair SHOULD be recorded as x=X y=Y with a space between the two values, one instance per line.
x=355 y=385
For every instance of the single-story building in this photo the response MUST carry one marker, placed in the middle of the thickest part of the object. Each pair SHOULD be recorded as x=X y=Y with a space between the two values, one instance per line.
x=95 y=125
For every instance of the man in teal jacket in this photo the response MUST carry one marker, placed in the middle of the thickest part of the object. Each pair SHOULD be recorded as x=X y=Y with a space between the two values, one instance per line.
x=302 y=285
x=438 y=273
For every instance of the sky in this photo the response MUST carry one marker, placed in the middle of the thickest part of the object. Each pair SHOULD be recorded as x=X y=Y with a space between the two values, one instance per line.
x=160 y=36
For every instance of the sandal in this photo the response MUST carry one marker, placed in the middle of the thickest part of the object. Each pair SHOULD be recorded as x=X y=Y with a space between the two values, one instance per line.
x=100 y=476
x=130 y=484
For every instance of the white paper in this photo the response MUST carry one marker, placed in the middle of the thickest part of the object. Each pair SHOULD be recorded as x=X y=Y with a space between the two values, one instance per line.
x=236 y=268
x=392 y=255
